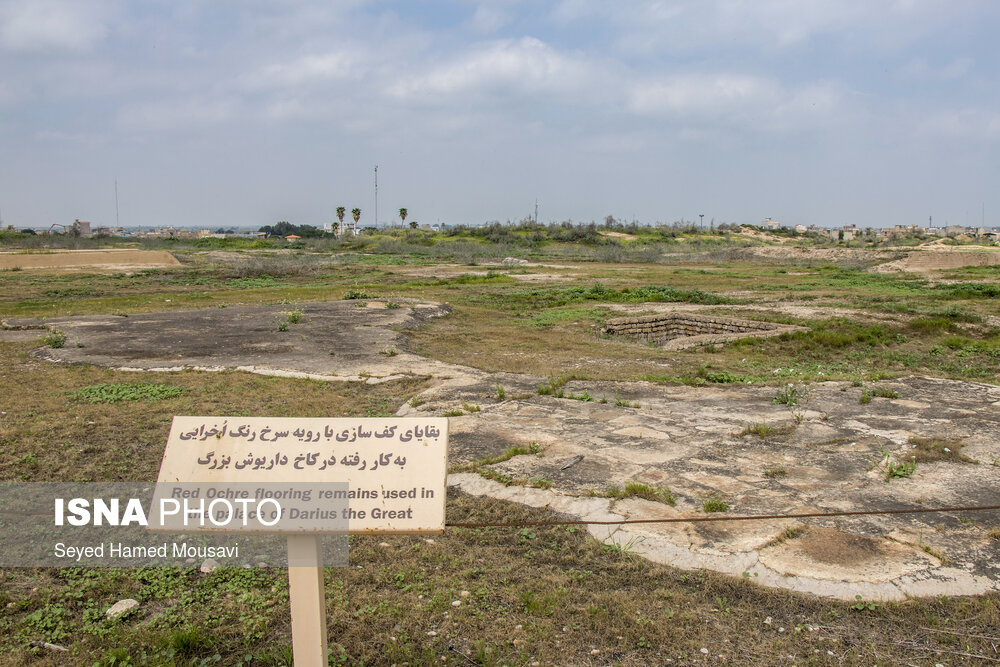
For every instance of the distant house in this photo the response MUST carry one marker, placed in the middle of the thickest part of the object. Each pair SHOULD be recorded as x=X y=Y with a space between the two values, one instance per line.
x=82 y=228
x=292 y=237
x=770 y=224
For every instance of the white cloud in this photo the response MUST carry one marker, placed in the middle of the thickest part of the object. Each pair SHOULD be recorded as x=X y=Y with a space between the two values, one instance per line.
x=956 y=69
x=306 y=70
x=51 y=26
x=521 y=66
x=178 y=113
x=754 y=102
x=968 y=123
x=489 y=18
x=714 y=94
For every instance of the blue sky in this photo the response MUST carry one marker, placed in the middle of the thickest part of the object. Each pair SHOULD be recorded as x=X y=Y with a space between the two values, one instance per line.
x=220 y=113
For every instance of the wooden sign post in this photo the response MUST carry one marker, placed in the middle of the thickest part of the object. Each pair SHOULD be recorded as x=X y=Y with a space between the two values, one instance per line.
x=392 y=472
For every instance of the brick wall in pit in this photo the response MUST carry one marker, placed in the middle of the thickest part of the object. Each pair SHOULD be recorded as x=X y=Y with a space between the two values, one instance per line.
x=663 y=328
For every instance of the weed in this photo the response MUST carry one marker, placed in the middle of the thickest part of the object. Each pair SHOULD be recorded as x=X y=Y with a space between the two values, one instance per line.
x=355 y=294
x=471 y=408
x=763 y=429
x=389 y=351
x=640 y=490
x=714 y=503
x=720 y=377
x=540 y=483
x=898 y=470
x=788 y=395
x=392 y=305
x=936 y=553
x=501 y=392
x=622 y=403
x=187 y=643
x=555 y=385
x=861 y=605
x=453 y=413
x=283 y=325
x=54 y=338
x=294 y=316
x=126 y=391
x=776 y=471
x=876 y=392
x=993 y=533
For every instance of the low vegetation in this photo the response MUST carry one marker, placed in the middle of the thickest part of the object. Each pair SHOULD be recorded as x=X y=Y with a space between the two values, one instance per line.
x=551 y=595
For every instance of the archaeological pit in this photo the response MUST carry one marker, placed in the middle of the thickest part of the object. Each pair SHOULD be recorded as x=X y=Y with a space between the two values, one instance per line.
x=676 y=331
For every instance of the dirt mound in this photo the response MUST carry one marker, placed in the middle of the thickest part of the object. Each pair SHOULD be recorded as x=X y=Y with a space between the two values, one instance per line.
x=942 y=257
x=78 y=260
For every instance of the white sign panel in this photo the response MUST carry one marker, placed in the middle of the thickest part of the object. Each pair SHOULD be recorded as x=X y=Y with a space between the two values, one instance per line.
x=394 y=468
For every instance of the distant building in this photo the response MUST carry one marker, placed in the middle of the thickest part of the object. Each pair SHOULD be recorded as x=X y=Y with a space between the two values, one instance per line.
x=770 y=224
x=81 y=228
x=801 y=229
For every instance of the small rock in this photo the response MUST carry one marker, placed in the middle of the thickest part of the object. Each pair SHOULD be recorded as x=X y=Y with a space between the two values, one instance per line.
x=456 y=603
x=432 y=633
x=120 y=607
x=465 y=594
x=767 y=621
x=429 y=540
x=781 y=629
x=595 y=651
x=518 y=627
x=51 y=647
x=705 y=651
x=384 y=545
x=208 y=566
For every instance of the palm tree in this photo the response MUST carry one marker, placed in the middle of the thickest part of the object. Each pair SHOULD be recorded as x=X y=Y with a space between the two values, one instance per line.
x=356 y=212
x=340 y=213
x=402 y=214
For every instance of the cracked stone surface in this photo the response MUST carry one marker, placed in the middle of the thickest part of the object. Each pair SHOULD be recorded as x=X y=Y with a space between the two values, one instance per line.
x=826 y=454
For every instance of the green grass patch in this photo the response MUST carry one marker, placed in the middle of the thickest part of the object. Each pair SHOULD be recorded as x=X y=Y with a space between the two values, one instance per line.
x=253 y=283
x=714 y=504
x=126 y=391
x=548 y=318
x=634 y=489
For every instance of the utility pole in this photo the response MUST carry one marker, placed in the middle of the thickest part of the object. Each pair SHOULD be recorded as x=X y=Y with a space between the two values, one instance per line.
x=536 y=211
x=376 y=197
x=117 y=224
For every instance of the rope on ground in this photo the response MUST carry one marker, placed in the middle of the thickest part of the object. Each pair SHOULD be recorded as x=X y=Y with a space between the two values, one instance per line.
x=723 y=517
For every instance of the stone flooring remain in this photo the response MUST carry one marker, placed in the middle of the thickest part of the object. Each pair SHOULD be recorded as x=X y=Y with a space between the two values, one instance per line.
x=826 y=454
